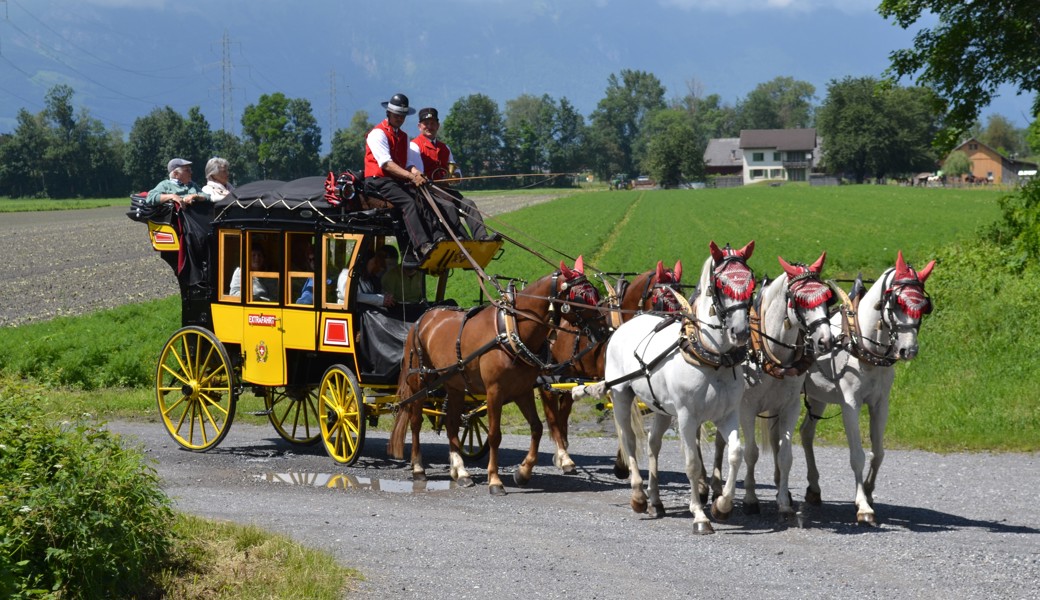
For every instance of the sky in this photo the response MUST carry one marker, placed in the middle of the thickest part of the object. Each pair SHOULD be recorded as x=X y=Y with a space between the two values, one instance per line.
x=125 y=58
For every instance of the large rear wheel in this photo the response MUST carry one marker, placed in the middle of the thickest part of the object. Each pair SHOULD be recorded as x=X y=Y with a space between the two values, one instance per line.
x=473 y=444
x=195 y=389
x=293 y=411
x=342 y=415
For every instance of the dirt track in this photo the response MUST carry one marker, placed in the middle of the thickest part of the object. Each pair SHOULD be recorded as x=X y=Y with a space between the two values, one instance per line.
x=75 y=262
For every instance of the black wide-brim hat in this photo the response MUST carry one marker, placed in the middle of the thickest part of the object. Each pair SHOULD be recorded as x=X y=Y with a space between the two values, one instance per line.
x=398 y=104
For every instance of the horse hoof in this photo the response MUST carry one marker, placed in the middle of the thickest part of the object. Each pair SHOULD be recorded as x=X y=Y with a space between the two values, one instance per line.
x=752 y=508
x=717 y=514
x=621 y=472
x=812 y=497
x=656 y=511
x=520 y=480
x=866 y=519
x=418 y=476
x=465 y=481
x=569 y=469
x=703 y=528
x=497 y=490
x=639 y=506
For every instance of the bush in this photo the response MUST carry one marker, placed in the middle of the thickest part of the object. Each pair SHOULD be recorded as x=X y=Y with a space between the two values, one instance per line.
x=80 y=515
x=1018 y=231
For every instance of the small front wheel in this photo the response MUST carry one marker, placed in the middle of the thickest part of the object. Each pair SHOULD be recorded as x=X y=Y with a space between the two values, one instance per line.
x=341 y=415
x=473 y=443
x=294 y=413
x=195 y=389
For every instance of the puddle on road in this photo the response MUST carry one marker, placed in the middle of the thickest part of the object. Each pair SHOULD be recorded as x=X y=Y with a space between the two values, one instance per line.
x=350 y=482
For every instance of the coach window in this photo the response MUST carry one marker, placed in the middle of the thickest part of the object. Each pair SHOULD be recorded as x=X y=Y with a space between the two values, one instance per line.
x=263 y=268
x=300 y=276
x=337 y=255
x=230 y=262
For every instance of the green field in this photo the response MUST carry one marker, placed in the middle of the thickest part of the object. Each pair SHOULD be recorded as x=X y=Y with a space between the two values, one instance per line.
x=970 y=388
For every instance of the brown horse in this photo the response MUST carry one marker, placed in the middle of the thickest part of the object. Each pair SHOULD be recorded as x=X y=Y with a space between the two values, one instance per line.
x=497 y=351
x=581 y=355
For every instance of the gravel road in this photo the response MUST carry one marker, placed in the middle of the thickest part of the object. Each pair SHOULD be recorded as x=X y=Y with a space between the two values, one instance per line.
x=951 y=526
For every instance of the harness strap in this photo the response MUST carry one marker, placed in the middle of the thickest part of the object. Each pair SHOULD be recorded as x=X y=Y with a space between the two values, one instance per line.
x=798 y=365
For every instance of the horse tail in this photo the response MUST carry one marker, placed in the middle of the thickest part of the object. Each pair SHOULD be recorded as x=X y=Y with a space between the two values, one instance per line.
x=407 y=386
x=639 y=427
x=765 y=432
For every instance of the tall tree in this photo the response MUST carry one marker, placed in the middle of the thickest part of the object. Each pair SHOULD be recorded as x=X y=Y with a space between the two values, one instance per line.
x=973 y=49
x=711 y=117
x=674 y=154
x=474 y=130
x=783 y=103
x=284 y=135
x=22 y=169
x=619 y=118
x=348 y=145
x=1001 y=135
x=154 y=139
x=870 y=130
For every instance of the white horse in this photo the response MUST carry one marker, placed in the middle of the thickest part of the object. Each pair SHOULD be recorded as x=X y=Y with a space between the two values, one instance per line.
x=689 y=368
x=878 y=328
x=789 y=327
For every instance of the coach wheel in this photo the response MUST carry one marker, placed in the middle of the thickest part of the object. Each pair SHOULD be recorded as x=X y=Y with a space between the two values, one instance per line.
x=194 y=387
x=341 y=415
x=294 y=413
x=473 y=443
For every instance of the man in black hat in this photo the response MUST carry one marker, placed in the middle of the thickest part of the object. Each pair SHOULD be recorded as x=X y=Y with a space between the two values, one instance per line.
x=390 y=166
x=438 y=164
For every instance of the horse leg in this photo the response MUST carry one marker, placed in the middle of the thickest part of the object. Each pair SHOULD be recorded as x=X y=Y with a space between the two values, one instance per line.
x=688 y=433
x=857 y=458
x=878 y=420
x=557 y=406
x=525 y=402
x=659 y=426
x=722 y=506
x=494 y=440
x=748 y=419
x=716 y=483
x=808 y=433
x=416 y=421
x=624 y=404
x=781 y=431
x=452 y=424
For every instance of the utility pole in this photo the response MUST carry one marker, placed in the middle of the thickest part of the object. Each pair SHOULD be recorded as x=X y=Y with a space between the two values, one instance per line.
x=227 y=112
x=332 y=112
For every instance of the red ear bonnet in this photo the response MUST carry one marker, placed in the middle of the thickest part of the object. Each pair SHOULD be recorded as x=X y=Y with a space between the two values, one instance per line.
x=817 y=266
x=925 y=272
x=716 y=252
x=746 y=251
x=579 y=265
x=566 y=271
x=678 y=271
x=660 y=271
x=788 y=268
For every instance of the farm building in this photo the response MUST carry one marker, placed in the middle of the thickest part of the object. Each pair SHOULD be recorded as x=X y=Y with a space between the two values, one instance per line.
x=988 y=165
x=779 y=154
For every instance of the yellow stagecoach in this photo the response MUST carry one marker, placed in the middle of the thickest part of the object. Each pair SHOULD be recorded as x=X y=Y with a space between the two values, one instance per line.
x=288 y=327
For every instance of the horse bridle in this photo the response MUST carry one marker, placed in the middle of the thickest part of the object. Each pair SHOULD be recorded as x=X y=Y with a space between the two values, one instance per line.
x=717 y=308
x=795 y=282
x=887 y=305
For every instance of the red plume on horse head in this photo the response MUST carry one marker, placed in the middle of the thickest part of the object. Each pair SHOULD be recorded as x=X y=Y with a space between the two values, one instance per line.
x=719 y=253
x=792 y=270
x=734 y=278
x=579 y=268
x=904 y=271
x=808 y=291
x=663 y=276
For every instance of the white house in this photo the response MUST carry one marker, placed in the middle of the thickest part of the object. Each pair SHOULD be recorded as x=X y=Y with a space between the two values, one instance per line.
x=779 y=154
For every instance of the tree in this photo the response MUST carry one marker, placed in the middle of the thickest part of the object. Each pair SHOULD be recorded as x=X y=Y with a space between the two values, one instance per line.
x=617 y=122
x=543 y=135
x=22 y=170
x=782 y=103
x=867 y=129
x=284 y=136
x=673 y=153
x=1002 y=136
x=473 y=129
x=974 y=48
x=154 y=139
x=711 y=118
x=957 y=164
x=348 y=145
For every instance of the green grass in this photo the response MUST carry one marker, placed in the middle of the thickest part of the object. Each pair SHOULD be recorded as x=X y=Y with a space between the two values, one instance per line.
x=23 y=205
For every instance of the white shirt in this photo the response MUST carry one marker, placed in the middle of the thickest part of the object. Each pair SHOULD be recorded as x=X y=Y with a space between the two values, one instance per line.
x=413 y=147
x=380 y=147
x=216 y=190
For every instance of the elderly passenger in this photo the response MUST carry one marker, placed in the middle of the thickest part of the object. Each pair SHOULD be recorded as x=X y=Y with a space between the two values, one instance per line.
x=179 y=188
x=218 y=172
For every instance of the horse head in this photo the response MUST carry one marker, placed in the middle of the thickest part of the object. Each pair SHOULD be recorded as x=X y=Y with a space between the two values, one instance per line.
x=728 y=282
x=807 y=300
x=576 y=296
x=664 y=286
x=904 y=303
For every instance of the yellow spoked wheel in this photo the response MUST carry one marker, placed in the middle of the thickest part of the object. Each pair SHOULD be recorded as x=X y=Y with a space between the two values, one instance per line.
x=473 y=442
x=294 y=413
x=195 y=389
x=342 y=415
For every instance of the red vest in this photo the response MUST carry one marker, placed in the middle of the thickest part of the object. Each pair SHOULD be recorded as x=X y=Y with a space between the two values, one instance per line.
x=435 y=157
x=398 y=150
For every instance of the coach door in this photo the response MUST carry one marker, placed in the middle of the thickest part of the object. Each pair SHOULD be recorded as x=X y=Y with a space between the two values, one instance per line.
x=260 y=285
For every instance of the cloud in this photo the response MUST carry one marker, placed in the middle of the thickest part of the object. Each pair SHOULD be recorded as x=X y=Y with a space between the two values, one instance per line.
x=742 y=6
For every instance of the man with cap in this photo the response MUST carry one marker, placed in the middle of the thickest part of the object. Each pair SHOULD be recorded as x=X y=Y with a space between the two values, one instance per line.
x=390 y=166
x=436 y=161
x=179 y=188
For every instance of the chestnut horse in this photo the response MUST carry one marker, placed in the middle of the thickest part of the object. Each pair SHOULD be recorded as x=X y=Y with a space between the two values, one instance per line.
x=492 y=350
x=878 y=328
x=581 y=355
